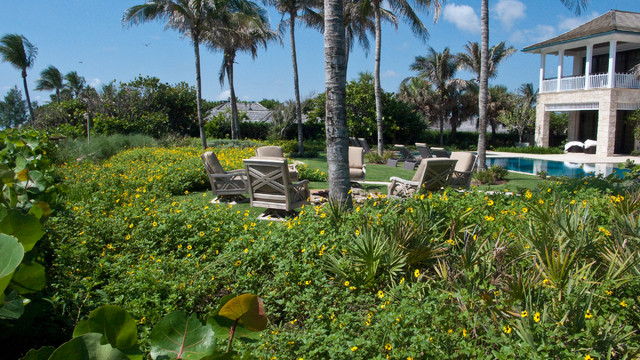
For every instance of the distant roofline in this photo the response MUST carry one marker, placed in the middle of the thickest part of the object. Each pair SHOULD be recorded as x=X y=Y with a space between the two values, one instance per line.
x=534 y=47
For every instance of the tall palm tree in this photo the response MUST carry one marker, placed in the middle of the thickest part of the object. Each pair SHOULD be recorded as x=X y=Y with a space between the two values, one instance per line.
x=50 y=79
x=335 y=68
x=471 y=58
x=575 y=5
x=402 y=7
x=75 y=82
x=294 y=9
x=440 y=69
x=188 y=17
x=21 y=54
x=246 y=29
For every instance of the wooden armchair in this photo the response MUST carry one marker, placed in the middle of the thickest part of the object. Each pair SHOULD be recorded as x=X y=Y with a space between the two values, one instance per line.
x=276 y=152
x=432 y=174
x=226 y=185
x=270 y=187
x=462 y=173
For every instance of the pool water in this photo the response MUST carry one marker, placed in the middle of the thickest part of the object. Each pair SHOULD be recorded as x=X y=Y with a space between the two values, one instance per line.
x=555 y=168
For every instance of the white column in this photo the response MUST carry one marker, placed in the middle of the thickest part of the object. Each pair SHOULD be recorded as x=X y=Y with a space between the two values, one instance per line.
x=612 y=62
x=587 y=68
x=560 y=63
x=542 y=65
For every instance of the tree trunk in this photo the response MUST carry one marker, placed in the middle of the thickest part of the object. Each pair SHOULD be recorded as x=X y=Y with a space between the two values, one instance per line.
x=26 y=92
x=58 y=95
x=292 y=29
x=196 y=49
x=482 y=97
x=376 y=76
x=235 y=123
x=335 y=67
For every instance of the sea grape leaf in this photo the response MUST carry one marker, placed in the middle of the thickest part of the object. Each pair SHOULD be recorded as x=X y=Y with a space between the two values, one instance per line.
x=11 y=254
x=179 y=337
x=114 y=323
x=12 y=307
x=248 y=310
x=87 y=347
x=40 y=354
x=23 y=175
x=29 y=278
x=222 y=327
x=26 y=228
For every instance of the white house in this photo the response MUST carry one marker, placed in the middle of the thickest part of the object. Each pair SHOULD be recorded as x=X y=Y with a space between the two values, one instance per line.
x=595 y=86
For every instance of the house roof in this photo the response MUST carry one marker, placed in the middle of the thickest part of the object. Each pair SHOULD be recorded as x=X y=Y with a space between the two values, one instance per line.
x=255 y=111
x=610 y=22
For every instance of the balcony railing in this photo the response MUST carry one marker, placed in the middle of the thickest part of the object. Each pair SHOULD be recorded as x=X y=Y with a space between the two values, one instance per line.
x=595 y=81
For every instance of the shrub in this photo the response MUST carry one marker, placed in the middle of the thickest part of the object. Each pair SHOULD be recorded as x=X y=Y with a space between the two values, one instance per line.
x=494 y=174
x=372 y=157
x=100 y=147
x=531 y=150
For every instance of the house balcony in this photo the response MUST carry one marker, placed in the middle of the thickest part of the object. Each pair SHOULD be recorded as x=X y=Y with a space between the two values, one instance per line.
x=595 y=81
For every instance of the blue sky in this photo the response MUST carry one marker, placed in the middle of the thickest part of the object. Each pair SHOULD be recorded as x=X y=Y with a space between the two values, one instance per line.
x=87 y=36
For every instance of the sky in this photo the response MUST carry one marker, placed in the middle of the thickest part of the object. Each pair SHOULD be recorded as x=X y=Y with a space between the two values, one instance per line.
x=88 y=36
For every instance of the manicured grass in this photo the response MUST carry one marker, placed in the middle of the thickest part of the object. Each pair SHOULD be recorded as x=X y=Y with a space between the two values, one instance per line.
x=515 y=181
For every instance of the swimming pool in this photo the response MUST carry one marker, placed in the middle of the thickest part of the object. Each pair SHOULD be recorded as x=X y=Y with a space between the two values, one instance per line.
x=554 y=168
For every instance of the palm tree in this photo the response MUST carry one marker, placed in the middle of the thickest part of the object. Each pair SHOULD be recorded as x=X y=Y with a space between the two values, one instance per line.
x=75 y=82
x=21 y=54
x=249 y=30
x=471 y=58
x=439 y=69
x=335 y=67
x=188 y=17
x=406 y=11
x=576 y=5
x=302 y=9
x=50 y=79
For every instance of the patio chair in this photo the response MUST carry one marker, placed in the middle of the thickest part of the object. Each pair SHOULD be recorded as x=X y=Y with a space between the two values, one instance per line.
x=357 y=167
x=463 y=171
x=277 y=153
x=590 y=146
x=364 y=145
x=432 y=174
x=226 y=185
x=353 y=141
x=392 y=162
x=574 y=147
x=404 y=152
x=427 y=152
x=270 y=187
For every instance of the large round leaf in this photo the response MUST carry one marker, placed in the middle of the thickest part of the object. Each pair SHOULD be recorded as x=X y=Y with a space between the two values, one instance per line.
x=29 y=278
x=41 y=354
x=248 y=310
x=87 y=347
x=179 y=337
x=12 y=307
x=11 y=254
x=115 y=324
x=26 y=228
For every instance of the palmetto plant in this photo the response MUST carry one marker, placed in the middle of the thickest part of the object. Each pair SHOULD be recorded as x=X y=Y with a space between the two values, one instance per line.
x=21 y=54
x=50 y=79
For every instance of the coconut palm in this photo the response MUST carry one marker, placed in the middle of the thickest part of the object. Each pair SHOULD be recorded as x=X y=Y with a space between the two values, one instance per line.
x=471 y=59
x=304 y=10
x=21 y=54
x=75 y=82
x=440 y=69
x=335 y=67
x=249 y=31
x=402 y=7
x=50 y=79
x=188 y=17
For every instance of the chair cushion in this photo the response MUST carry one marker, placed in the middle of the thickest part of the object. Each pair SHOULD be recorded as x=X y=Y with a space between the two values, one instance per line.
x=355 y=157
x=356 y=173
x=270 y=151
x=465 y=160
x=212 y=161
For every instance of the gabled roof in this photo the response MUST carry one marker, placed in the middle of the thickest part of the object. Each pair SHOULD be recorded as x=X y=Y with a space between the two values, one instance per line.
x=255 y=111
x=612 y=21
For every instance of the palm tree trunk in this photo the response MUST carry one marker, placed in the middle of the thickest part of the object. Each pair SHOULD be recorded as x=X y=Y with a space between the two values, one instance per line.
x=235 y=126
x=335 y=68
x=376 y=76
x=292 y=29
x=196 y=49
x=482 y=97
x=26 y=92
x=58 y=95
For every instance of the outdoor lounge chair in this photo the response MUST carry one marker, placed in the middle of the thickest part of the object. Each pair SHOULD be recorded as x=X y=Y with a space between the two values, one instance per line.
x=275 y=152
x=270 y=187
x=427 y=152
x=353 y=141
x=226 y=185
x=364 y=145
x=463 y=171
x=404 y=152
x=574 y=147
x=590 y=146
x=357 y=167
x=432 y=174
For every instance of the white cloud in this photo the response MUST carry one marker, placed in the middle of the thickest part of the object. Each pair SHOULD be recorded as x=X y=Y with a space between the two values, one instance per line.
x=224 y=95
x=530 y=36
x=463 y=17
x=509 y=11
x=95 y=83
x=389 y=73
x=567 y=24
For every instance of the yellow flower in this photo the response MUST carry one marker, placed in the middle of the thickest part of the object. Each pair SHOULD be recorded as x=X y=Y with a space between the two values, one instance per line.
x=609 y=292
x=180 y=246
x=380 y=294
x=357 y=232
x=346 y=283
x=464 y=332
x=623 y=304
x=127 y=237
x=588 y=357
x=536 y=317
x=450 y=331
x=238 y=263
x=189 y=247
x=321 y=232
x=189 y=226
x=388 y=347
x=355 y=347
x=506 y=329
x=588 y=315
x=109 y=246
x=524 y=314
x=525 y=210
x=201 y=233
x=416 y=273
x=490 y=202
